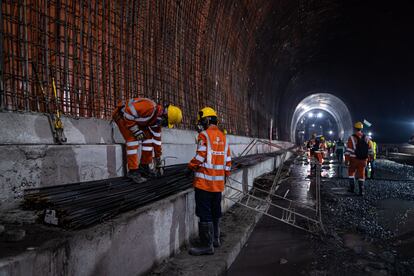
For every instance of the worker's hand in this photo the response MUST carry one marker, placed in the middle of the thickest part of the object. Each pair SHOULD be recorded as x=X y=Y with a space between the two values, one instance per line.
x=347 y=163
x=139 y=134
x=188 y=172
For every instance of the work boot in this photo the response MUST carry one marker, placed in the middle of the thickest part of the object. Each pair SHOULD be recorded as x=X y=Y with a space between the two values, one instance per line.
x=361 y=187
x=145 y=171
x=205 y=232
x=216 y=240
x=351 y=185
x=136 y=176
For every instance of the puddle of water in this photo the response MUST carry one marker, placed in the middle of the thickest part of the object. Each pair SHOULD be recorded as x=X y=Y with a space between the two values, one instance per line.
x=397 y=215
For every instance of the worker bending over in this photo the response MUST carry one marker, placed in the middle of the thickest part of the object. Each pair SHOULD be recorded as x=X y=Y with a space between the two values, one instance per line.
x=211 y=166
x=358 y=150
x=139 y=121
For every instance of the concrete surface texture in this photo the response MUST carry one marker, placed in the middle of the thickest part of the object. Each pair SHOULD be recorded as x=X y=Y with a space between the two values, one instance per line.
x=129 y=244
x=132 y=243
x=94 y=151
x=31 y=166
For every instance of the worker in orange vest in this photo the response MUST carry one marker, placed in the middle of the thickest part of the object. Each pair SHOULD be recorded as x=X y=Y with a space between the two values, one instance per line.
x=358 y=151
x=210 y=166
x=139 y=121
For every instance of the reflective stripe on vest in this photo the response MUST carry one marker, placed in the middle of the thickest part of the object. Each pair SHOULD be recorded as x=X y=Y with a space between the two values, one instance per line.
x=134 y=116
x=209 y=177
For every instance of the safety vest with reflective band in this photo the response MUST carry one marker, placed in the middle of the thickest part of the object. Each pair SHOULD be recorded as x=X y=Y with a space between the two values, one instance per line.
x=142 y=111
x=351 y=146
x=212 y=161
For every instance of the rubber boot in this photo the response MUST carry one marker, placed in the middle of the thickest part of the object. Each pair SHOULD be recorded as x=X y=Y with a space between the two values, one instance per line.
x=136 y=176
x=351 y=188
x=216 y=240
x=205 y=231
x=361 y=188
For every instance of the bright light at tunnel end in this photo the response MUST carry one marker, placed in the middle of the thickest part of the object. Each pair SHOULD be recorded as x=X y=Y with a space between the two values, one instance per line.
x=310 y=115
x=319 y=115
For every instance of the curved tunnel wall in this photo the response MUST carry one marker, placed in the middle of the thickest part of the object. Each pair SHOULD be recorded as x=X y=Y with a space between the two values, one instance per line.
x=236 y=56
x=252 y=60
x=329 y=103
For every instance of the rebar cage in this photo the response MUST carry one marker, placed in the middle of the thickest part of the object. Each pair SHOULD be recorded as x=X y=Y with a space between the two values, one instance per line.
x=188 y=53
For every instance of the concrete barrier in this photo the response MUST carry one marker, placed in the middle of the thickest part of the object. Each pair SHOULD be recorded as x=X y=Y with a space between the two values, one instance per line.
x=94 y=151
x=130 y=244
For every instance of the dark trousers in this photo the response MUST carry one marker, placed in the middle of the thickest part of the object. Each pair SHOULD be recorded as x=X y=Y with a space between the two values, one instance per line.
x=208 y=205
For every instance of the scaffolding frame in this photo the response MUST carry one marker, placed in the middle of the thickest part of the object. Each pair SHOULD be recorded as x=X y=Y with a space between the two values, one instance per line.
x=295 y=212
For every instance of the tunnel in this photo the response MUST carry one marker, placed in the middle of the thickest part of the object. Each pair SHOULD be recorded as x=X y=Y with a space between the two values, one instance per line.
x=329 y=103
x=253 y=61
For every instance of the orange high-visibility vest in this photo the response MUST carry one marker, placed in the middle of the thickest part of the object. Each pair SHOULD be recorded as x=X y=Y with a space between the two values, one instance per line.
x=212 y=162
x=351 y=146
x=141 y=111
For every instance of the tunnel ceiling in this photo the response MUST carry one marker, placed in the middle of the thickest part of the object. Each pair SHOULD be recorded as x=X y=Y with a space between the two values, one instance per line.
x=360 y=51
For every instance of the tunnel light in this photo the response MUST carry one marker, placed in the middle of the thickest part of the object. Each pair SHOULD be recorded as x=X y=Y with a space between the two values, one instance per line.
x=319 y=115
x=313 y=125
x=310 y=115
x=330 y=132
x=370 y=133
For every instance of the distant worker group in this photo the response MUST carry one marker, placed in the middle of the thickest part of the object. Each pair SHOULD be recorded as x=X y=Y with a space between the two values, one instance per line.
x=360 y=153
x=140 y=121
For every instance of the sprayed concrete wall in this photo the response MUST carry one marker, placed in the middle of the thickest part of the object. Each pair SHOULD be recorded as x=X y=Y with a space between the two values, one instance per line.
x=94 y=151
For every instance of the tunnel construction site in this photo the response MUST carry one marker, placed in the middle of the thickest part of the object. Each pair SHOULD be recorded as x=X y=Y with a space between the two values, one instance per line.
x=277 y=73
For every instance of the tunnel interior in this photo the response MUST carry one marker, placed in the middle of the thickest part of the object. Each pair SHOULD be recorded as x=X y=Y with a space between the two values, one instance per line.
x=254 y=61
x=322 y=114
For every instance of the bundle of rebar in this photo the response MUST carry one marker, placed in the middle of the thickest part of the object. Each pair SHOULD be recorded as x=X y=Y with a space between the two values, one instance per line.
x=79 y=205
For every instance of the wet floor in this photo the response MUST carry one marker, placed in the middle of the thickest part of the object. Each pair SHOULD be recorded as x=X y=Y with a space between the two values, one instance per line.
x=276 y=248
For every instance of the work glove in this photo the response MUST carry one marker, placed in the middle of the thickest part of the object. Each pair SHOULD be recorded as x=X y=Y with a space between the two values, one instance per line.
x=188 y=172
x=139 y=134
x=347 y=163
x=158 y=166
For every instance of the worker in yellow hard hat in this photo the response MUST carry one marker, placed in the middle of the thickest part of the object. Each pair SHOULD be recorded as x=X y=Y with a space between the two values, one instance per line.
x=211 y=166
x=358 y=151
x=139 y=121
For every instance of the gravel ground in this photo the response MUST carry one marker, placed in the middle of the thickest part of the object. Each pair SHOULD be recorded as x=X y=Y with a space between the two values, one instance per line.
x=359 y=240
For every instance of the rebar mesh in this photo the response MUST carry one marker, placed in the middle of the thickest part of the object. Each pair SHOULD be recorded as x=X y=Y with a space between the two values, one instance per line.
x=188 y=53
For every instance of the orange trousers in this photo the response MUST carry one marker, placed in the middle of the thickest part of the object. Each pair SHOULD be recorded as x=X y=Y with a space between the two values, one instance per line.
x=357 y=166
x=132 y=147
x=318 y=156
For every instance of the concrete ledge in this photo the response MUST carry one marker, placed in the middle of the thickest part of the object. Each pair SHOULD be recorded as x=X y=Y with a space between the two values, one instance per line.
x=132 y=243
x=238 y=223
x=33 y=166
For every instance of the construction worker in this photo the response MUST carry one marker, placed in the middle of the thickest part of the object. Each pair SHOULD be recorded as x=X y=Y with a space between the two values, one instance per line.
x=139 y=121
x=340 y=150
x=358 y=150
x=320 y=152
x=371 y=161
x=211 y=166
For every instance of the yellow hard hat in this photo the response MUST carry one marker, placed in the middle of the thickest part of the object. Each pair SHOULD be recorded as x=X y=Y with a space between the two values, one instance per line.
x=359 y=125
x=206 y=112
x=174 y=114
x=322 y=138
